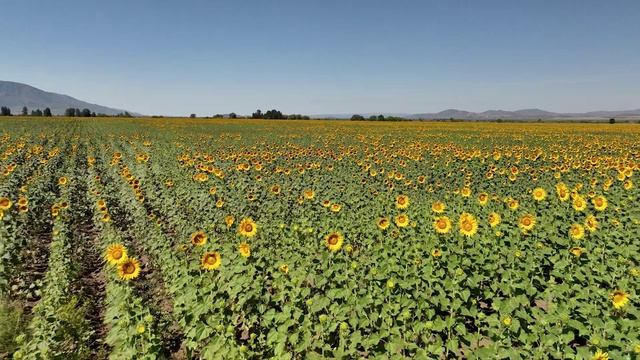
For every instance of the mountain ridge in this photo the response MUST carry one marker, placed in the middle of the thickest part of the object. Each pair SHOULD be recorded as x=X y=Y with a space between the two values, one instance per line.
x=15 y=95
x=522 y=114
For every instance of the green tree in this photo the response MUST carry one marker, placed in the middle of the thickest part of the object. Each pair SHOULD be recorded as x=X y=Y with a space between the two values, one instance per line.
x=25 y=111
x=47 y=112
x=257 y=114
x=357 y=117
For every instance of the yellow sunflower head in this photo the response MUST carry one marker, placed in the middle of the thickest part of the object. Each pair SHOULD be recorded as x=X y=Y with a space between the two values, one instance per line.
x=591 y=223
x=442 y=224
x=309 y=194
x=576 y=251
x=5 y=203
x=436 y=253
x=335 y=207
x=576 y=231
x=229 y=220
x=402 y=202
x=402 y=220
x=199 y=238
x=539 y=194
x=383 y=223
x=129 y=269
x=244 y=249
x=211 y=260
x=600 y=355
x=284 y=268
x=468 y=224
x=116 y=254
x=247 y=227
x=579 y=204
x=494 y=219
x=334 y=241
x=600 y=203
x=483 y=198
x=619 y=298
x=527 y=222
x=438 y=207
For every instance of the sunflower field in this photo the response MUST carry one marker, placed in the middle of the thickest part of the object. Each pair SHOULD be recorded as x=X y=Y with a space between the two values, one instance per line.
x=248 y=239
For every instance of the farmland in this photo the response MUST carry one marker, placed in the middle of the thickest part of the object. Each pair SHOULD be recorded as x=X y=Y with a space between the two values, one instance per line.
x=187 y=238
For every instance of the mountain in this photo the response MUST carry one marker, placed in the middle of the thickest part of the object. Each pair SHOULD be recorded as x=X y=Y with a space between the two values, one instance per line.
x=525 y=114
x=16 y=95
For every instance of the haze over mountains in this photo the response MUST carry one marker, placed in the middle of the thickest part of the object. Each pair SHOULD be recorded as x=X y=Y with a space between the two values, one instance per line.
x=16 y=95
x=524 y=114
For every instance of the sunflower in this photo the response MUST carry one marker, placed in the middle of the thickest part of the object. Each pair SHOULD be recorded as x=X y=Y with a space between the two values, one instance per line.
x=576 y=231
x=402 y=220
x=628 y=184
x=563 y=194
x=438 y=207
x=219 y=203
x=468 y=224
x=513 y=204
x=211 y=260
x=245 y=250
x=213 y=190
x=619 y=298
x=63 y=181
x=116 y=254
x=483 y=198
x=326 y=203
x=539 y=194
x=247 y=227
x=402 y=202
x=494 y=219
x=527 y=222
x=383 y=223
x=600 y=355
x=334 y=241
x=199 y=238
x=5 y=203
x=579 y=204
x=576 y=251
x=591 y=223
x=600 y=203
x=129 y=269
x=335 y=207
x=309 y=194
x=229 y=220
x=442 y=224
x=275 y=189
x=284 y=268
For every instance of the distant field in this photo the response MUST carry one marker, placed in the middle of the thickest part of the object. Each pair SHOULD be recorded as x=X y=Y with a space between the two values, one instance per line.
x=251 y=239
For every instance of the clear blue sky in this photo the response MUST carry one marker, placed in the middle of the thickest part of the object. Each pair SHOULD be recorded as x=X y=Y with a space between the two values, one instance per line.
x=327 y=56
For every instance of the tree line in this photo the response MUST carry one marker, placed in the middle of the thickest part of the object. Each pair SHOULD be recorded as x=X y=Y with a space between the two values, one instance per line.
x=380 y=117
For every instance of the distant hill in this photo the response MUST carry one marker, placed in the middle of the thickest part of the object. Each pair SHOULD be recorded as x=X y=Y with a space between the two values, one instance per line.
x=524 y=114
x=16 y=95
